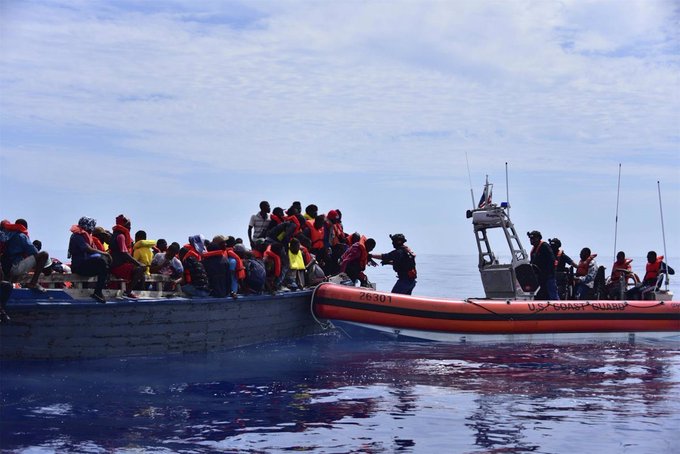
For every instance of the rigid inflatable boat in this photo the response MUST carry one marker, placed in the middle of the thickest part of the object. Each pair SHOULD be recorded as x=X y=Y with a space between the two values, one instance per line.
x=509 y=311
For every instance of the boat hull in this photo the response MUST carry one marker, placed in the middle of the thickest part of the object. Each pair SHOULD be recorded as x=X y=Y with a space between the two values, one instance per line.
x=63 y=328
x=437 y=317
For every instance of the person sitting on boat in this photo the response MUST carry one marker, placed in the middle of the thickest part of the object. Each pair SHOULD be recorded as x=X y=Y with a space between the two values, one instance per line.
x=543 y=261
x=237 y=272
x=142 y=250
x=584 y=278
x=622 y=271
x=354 y=260
x=297 y=264
x=275 y=264
x=160 y=246
x=195 y=280
x=216 y=265
x=20 y=256
x=655 y=269
x=311 y=212
x=563 y=271
x=167 y=264
x=403 y=261
x=87 y=260
x=256 y=275
x=259 y=222
x=101 y=238
x=123 y=264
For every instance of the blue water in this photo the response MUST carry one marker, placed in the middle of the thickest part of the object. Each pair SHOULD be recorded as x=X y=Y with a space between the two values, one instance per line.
x=329 y=394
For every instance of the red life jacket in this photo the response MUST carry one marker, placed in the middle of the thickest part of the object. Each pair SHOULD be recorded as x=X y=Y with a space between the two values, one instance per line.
x=363 y=258
x=617 y=268
x=240 y=269
x=126 y=232
x=271 y=255
x=191 y=252
x=217 y=253
x=652 y=270
x=583 y=265
x=315 y=235
x=15 y=228
x=80 y=231
x=307 y=257
x=97 y=244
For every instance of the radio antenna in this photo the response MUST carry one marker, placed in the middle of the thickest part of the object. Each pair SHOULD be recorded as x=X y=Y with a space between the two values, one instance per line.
x=616 y=219
x=663 y=231
x=507 y=190
x=472 y=195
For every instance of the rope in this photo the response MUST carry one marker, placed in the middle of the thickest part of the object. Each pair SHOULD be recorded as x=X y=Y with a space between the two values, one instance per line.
x=325 y=325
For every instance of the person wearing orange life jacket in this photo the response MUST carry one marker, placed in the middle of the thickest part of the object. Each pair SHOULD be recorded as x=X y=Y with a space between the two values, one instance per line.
x=311 y=212
x=650 y=282
x=274 y=266
x=355 y=259
x=584 y=277
x=334 y=242
x=315 y=231
x=195 y=280
x=563 y=273
x=237 y=270
x=123 y=264
x=403 y=261
x=543 y=261
x=216 y=264
x=87 y=260
x=621 y=271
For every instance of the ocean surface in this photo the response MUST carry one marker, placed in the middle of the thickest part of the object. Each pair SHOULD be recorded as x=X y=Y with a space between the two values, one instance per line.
x=331 y=394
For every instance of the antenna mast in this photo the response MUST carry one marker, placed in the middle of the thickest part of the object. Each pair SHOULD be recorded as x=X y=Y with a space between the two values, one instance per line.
x=616 y=221
x=472 y=195
x=663 y=231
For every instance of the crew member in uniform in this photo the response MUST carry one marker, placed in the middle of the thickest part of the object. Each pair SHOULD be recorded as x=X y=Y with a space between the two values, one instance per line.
x=543 y=259
x=403 y=261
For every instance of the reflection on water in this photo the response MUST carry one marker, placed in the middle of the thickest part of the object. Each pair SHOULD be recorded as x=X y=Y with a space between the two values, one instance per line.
x=327 y=394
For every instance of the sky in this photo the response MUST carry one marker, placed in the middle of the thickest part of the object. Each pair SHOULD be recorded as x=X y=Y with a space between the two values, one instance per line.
x=184 y=115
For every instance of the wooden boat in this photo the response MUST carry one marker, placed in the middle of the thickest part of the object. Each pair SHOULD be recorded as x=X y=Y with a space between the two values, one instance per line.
x=509 y=311
x=66 y=323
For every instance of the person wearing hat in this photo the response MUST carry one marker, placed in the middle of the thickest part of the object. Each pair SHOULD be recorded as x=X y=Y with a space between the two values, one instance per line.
x=86 y=259
x=543 y=260
x=403 y=261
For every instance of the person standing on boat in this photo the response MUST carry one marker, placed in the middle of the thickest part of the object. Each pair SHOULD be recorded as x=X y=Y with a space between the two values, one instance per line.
x=563 y=273
x=585 y=274
x=403 y=261
x=543 y=259
x=259 y=222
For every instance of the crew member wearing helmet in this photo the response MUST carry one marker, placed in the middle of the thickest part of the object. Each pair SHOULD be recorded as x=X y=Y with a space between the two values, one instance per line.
x=543 y=260
x=403 y=261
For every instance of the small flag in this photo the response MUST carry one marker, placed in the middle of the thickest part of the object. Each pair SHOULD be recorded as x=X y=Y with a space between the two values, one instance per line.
x=486 y=197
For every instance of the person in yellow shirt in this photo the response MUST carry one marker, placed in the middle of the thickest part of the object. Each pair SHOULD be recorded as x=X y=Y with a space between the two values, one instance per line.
x=143 y=249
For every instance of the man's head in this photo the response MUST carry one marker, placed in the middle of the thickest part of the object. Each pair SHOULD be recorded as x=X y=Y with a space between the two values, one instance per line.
x=140 y=235
x=319 y=221
x=87 y=224
x=651 y=256
x=38 y=245
x=240 y=250
x=294 y=246
x=398 y=239
x=535 y=237
x=172 y=250
x=620 y=256
x=585 y=253
x=264 y=207
x=370 y=244
x=21 y=222
x=123 y=221
x=278 y=211
x=219 y=242
x=312 y=210
x=333 y=216
x=297 y=205
x=162 y=245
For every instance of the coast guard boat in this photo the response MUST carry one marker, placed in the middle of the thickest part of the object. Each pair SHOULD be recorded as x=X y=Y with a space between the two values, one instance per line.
x=508 y=313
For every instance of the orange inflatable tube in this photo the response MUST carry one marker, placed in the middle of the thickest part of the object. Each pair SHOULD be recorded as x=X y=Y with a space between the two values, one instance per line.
x=481 y=316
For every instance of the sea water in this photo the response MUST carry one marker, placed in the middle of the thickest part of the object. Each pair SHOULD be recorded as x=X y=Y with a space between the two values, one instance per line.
x=330 y=394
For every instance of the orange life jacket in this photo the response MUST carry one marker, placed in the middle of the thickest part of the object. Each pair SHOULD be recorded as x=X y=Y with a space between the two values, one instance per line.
x=271 y=255
x=97 y=244
x=80 y=231
x=617 y=268
x=315 y=235
x=191 y=251
x=652 y=269
x=240 y=269
x=126 y=233
x=582 y=268
x=15 y=228
x=294 y=220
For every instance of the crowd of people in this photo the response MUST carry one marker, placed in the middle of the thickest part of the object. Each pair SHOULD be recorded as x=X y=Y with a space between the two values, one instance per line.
x=285 y=251
x=560 y=277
